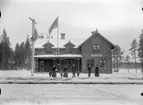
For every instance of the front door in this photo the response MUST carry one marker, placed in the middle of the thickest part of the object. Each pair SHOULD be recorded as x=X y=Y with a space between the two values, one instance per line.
x=48 y=64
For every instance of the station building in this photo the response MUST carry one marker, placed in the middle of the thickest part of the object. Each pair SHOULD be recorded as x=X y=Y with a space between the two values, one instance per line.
x=95 y=50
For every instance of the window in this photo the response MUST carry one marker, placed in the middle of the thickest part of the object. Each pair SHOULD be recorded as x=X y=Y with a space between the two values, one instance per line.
x=87 y=62
x=96 y=47
x=103 y=63
x=42 y=64
x=90 y=62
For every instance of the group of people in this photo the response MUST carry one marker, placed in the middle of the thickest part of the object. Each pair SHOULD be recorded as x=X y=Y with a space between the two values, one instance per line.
x=96 y=71
x=64 y=72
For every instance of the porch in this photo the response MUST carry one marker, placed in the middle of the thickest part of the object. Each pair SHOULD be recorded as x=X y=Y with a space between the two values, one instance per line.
x=44 y=63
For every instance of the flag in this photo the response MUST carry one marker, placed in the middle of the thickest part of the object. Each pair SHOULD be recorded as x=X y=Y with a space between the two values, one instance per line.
x=54 y=25
x=0 y=14
x=62 y=35
x=35 y=35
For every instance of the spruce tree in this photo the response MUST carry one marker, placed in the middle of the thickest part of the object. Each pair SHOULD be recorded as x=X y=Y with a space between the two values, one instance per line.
x=17 y=56
x=27 y=53
x=6 y=50
x=140 y=49
x=22 y=55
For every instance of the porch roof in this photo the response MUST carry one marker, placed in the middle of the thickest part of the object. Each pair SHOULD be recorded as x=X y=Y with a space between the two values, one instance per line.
x=61 y=56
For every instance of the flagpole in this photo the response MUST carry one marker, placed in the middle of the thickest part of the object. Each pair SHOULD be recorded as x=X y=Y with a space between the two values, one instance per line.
x=58 y=45
x=58 y=36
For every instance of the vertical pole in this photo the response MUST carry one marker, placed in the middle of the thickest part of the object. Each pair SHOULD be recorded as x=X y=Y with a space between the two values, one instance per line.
x=60 y=67
x=77 y=67
x=58 y=37
x=33 y=50
x=32 y=61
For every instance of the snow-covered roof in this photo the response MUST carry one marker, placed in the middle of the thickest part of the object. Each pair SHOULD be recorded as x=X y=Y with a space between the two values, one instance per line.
x=62 y=55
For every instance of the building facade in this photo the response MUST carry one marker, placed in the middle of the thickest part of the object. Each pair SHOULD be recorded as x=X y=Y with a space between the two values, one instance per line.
x=96 y=50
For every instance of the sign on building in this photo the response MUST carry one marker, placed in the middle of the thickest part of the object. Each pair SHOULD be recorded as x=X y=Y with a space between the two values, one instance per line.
x=96 y=55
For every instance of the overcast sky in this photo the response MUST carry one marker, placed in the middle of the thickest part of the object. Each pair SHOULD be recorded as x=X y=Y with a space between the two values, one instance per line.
x=120 y=21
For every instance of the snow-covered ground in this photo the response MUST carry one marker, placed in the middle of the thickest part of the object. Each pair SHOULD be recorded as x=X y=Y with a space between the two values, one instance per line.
x=121 y=76
x=69 y=94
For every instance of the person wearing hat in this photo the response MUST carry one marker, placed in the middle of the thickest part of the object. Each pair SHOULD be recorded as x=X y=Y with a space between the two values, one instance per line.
x=89 y=70
x=54 y=74
x=97 y=71
x=65 y=72
x=73 y=70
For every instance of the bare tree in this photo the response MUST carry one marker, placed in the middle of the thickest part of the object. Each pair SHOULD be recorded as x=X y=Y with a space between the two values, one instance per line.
x=133 y=50
x=118 y=56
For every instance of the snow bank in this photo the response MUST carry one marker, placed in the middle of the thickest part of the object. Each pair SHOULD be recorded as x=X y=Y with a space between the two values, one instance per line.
x=25 y=75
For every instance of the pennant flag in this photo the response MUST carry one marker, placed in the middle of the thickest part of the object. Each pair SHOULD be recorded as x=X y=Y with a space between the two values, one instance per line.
x=62 y=35
x=54 y=25
x=35 y=35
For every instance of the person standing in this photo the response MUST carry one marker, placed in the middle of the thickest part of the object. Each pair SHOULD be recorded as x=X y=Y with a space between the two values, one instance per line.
x=97 y=71
x=54 y=71
x=73 y=70
x=65 y=72
x=89 y=70
x=50 y=72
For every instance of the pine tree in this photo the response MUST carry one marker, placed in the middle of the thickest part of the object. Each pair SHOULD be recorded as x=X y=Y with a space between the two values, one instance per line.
x=28 y=53
x=1 y=53
x=133 y=50
x=6 y=50
x=22 y=55
x=17 y=56
x=140 y=49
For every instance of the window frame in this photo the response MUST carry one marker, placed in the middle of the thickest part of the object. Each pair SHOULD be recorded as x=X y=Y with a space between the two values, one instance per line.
x=96 y=48
x=103 y=63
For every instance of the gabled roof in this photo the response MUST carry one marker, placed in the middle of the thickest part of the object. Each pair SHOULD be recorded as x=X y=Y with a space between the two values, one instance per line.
x=42 y=41
x=69 y=44
x=97 y=33
x=49 y=44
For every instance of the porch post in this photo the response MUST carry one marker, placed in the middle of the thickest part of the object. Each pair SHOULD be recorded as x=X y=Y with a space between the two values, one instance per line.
x=60 y=66
x=36 y=65
x=78 y=68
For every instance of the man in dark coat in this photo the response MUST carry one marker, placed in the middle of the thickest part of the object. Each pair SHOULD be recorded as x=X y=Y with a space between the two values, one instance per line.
x=54 y=71
x=65 y=72
x=97 y=71
x=50 y=72
x=78 y=72
x=89 y=70
x=73 y=70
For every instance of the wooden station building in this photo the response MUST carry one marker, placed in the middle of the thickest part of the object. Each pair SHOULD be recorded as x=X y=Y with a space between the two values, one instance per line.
x=96 y=50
